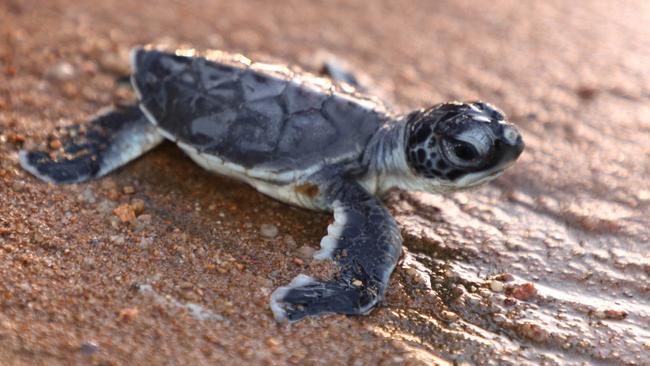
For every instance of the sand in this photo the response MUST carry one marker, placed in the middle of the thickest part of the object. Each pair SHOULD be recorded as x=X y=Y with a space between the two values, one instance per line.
x=548 y=264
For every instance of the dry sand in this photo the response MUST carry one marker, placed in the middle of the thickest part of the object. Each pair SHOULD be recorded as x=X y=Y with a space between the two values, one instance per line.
x=549 y=264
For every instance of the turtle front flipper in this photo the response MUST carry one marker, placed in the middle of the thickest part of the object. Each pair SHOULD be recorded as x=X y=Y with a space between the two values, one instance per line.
x=106 y=143
x=365 y=242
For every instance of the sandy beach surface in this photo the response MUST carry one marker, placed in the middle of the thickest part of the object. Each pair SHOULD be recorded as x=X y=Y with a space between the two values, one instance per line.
x=163 y=263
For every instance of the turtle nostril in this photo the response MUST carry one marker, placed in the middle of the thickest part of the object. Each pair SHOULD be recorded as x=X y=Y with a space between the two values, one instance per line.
x=511 y=135
x=512 y=140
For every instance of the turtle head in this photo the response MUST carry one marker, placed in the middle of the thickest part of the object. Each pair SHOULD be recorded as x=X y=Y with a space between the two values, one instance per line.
x=460 y=145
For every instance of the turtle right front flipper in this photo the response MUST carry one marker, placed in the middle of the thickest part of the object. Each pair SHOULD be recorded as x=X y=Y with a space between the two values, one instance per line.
x=89 y=151
x=364 y=241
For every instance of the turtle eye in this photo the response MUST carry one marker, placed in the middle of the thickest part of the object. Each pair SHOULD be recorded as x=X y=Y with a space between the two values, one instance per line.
x=464 y=151
x=461 y=154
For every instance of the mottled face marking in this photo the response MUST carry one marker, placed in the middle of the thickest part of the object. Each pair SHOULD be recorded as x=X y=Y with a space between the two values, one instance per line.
x=461 y=144
x=422 y=151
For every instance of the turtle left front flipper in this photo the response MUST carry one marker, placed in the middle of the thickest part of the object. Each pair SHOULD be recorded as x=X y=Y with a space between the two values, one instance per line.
x=364 y=241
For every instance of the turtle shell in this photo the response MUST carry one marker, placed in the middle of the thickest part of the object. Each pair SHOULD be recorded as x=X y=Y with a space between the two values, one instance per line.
x=257 y=116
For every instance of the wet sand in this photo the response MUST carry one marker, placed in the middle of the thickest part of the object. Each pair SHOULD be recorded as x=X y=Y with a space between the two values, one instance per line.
x=549 y=264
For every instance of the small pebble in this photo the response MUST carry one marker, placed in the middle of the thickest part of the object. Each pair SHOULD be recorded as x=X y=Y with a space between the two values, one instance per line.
x=449 y=315
x=598 y=314
x=128 y=190
x=89 y=348
x=125 y=213
x=615 y=314
x=63 y=71
x=505 y=277
x=18 y=186
x=496 y=286
x=610 y=314
x=272 y=342
x=483 y=292
x=56 y=144
x=15 y=138
x=416 y=275
x=274 y=345
x=127 y=315
x=138 y=206
x=269 y=231
x=587 y=92
x=533 y=332
x=524 y=292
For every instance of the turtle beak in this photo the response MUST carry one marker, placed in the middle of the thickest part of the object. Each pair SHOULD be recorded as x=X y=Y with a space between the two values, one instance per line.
x=509 y=144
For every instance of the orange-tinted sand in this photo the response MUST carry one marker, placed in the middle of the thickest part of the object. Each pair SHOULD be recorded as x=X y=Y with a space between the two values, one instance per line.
x=549 y=264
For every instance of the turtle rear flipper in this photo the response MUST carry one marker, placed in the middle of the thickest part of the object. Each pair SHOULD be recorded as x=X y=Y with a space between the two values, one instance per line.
x=106 y=143
x=336 y=71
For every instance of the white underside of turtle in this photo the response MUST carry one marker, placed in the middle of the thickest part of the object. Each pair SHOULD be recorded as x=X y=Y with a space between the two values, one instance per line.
x=301 y=139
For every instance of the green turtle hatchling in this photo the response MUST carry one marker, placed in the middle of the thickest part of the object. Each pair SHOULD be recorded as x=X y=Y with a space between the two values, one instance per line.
x=300 y=139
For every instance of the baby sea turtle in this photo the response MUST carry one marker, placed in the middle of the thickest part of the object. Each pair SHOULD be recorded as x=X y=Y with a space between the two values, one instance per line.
x=300 y=139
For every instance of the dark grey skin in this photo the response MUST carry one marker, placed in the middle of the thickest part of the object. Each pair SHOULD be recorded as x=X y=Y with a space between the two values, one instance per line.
x=302 y=140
